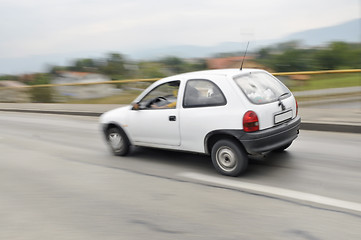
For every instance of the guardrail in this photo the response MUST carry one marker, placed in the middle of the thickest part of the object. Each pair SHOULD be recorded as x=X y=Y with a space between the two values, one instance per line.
x=317 y=72
x=84 y=83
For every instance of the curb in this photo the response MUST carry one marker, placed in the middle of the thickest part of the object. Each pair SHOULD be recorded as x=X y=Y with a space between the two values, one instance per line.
x=310 y=126
x=85 y=114
x=327 y=127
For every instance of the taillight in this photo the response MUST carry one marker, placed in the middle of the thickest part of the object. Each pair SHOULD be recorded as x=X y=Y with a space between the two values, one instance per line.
x=250 y=122
x=296 y=107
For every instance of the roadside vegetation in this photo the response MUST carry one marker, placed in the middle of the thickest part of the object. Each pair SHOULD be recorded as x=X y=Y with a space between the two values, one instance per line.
x=293 y=57
x=326 y=81
x=284 y=57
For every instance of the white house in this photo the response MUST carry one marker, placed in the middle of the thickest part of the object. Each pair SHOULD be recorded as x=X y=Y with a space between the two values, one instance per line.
x=13 y=91
x=86 y=91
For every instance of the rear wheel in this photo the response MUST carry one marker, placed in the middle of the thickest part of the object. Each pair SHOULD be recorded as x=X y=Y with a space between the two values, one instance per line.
x=229 y=158
x=118 y=141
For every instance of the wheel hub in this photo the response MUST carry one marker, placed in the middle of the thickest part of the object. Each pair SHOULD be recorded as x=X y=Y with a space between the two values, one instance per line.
x=226 y=159
x=115 y=141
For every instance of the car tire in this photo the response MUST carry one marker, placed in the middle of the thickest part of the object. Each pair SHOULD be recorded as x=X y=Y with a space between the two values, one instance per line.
x=284 y=147
x=229 y=158
x=118 y=141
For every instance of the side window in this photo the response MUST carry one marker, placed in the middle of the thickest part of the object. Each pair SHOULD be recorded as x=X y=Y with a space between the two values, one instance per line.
x=163 y=96
x=202 y=93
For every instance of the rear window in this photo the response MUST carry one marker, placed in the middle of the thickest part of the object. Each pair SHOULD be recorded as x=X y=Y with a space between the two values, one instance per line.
x=261 y=88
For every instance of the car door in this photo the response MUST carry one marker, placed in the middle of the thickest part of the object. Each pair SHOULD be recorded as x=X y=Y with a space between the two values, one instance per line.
x=203 y=110
x=156 y=121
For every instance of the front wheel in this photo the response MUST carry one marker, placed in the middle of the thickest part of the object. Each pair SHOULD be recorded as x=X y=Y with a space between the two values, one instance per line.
x=229 y=158
x=118 y=141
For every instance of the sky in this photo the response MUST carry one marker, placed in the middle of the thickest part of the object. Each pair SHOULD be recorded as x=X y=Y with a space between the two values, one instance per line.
x=30 y=29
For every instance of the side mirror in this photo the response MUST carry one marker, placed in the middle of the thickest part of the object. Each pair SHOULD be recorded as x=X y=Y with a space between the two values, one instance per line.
x=135 y=106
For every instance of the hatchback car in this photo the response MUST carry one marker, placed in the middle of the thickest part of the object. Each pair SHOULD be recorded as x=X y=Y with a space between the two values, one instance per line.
x=228 y=114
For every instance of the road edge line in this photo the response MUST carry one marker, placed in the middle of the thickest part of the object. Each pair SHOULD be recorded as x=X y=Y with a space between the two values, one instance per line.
x=281 y=192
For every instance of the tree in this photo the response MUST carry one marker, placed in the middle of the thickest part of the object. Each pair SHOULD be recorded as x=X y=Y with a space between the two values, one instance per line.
x=150 y=70
x=114 y=66
x=42 y=94
x=339 y=55
x=326 y=60
x=173 y=64
x=177 y=65
x=294 y=60
x=287 y=57
x=264 y=53
x=9 y=77
x=85 y=65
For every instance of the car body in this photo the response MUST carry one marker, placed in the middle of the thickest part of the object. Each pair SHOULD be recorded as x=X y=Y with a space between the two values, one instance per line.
x=227 y=113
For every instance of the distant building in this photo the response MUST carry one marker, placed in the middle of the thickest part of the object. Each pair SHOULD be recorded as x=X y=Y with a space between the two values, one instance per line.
x=13 y=91
x=86 y=91
x=27 y=78
x=234 y=62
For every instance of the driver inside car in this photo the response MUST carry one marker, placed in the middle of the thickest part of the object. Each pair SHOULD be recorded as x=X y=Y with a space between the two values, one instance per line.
x=165 y=103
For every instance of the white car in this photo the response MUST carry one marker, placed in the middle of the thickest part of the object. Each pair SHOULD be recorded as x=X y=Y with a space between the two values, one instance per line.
x=228 y=114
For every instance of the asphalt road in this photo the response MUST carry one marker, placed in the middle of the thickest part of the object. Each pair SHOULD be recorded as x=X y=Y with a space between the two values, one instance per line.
x=59 y=181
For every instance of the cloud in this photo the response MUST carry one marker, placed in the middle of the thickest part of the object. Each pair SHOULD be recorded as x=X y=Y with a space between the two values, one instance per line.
x=51 y=27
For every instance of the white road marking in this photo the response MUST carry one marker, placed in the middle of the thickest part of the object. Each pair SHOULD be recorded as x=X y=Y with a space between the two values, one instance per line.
x=274 y=191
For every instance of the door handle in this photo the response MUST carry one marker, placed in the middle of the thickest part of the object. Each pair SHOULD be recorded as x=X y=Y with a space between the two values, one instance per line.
x=172 y=118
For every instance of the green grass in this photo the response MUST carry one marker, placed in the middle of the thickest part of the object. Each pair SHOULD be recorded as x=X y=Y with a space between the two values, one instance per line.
x=326 y=81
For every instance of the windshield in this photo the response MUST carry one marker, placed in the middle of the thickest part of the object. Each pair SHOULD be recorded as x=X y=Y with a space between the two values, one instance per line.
x=261 y=88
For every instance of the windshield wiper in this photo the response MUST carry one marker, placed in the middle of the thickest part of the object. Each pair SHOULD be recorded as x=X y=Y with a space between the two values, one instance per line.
x=280 y=103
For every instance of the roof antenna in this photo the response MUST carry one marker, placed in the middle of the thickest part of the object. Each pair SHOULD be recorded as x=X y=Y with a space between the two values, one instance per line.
x=245 y=52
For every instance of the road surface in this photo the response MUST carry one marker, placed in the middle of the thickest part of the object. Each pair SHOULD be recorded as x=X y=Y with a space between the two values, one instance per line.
x=58 y=180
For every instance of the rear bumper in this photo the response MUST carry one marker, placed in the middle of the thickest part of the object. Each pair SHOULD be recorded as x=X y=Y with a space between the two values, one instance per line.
x=272 y=138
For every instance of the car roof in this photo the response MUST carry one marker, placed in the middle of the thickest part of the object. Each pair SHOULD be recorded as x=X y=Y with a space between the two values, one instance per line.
x=231 y=72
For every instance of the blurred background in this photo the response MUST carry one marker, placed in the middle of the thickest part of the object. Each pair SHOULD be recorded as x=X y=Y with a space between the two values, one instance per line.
x=77 y=59
x=91 y=47
x=106 y=80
